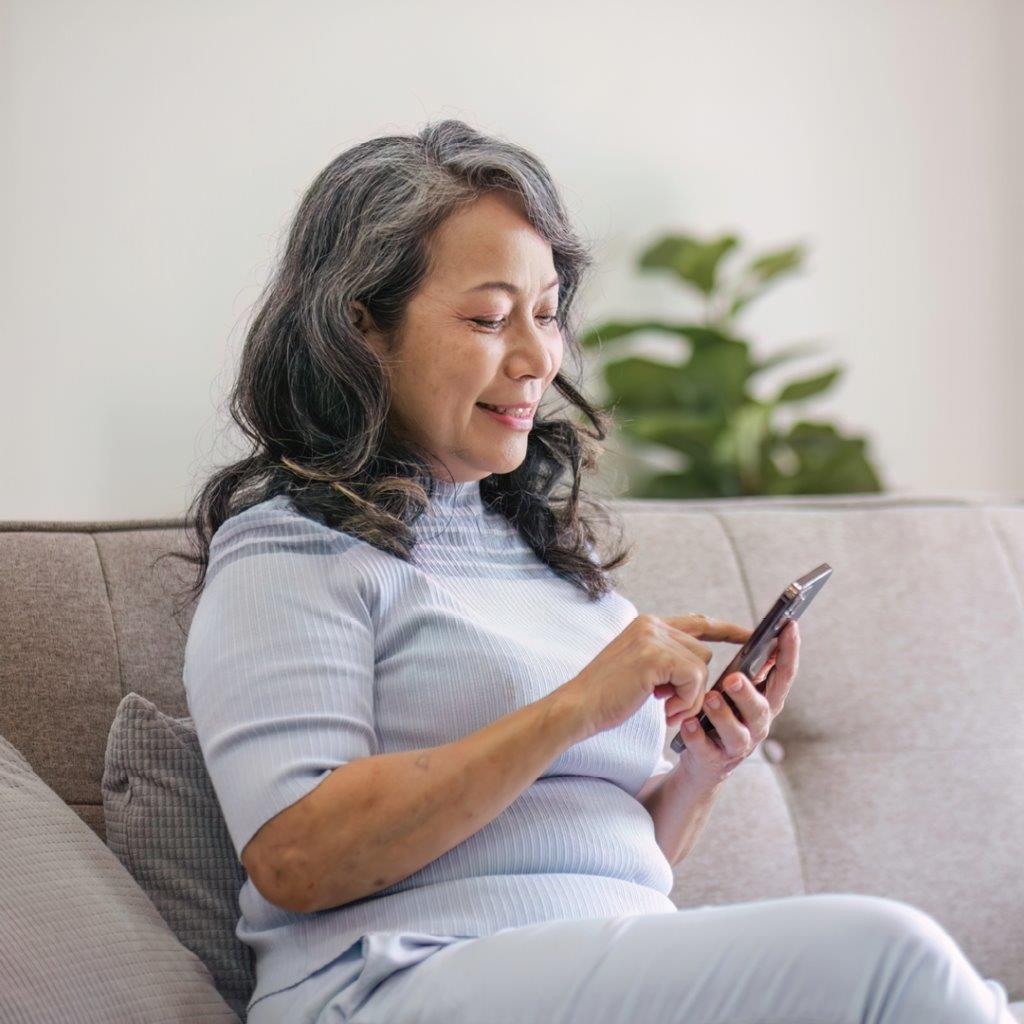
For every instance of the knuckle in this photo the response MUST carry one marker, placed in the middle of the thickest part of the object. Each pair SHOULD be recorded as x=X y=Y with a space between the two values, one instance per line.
x=649 y=625
x=666 y=665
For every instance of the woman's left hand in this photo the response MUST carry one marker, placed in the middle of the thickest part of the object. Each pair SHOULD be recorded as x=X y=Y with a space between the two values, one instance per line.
x=709 y=761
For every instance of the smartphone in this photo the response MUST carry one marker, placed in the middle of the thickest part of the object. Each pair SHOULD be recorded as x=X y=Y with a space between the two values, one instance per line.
x=750 y=658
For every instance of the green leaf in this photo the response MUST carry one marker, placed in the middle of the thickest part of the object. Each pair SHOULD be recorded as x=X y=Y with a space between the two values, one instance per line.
x=721 y=374
x=794 y=351
x=772 y=264
x=711 y=383
x=641 y=383
x=685 y=432
x=743 y=441
x=798 y=390
x=702 y=336
x=690 y=483
x=829 y=462
x=847 y=472
x=613 y=330
x=813 y=441
x=764 y=270
x=690 y=259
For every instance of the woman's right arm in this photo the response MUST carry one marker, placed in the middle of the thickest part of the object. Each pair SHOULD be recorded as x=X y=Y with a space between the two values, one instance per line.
x=378 y=819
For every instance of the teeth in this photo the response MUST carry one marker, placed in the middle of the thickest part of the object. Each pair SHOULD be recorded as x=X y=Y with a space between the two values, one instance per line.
x=520 y=411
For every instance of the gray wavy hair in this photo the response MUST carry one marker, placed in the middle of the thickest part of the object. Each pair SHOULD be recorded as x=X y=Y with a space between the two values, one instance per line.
x=312 y=396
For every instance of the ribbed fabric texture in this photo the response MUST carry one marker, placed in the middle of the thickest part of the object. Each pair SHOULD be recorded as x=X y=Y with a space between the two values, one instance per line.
x=310 y=648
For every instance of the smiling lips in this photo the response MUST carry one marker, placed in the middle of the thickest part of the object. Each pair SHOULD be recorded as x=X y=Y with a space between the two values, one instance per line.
x=510 y=421
x=520 y=412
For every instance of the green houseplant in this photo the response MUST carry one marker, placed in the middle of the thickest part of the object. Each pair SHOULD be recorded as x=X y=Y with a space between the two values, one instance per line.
x=702 y=407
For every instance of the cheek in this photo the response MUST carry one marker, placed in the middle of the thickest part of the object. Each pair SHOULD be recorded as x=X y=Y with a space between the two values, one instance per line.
x=440 y=373
x=464 y=372
x=445 y=392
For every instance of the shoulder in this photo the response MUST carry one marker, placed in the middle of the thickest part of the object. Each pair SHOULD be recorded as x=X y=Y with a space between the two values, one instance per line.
x=274 y=527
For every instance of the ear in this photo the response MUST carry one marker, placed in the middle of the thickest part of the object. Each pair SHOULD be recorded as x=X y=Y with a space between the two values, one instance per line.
x=363 y=322
x=361 y=316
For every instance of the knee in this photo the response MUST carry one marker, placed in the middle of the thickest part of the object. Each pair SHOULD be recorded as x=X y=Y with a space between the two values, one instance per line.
x=886 y=923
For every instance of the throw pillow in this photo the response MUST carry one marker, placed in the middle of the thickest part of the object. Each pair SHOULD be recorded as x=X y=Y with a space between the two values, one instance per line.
x=165 y=825
x=80 y=940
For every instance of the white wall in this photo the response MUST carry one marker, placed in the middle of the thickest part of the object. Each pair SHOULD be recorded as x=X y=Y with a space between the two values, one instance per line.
x=1010 y=59
x=153 y=154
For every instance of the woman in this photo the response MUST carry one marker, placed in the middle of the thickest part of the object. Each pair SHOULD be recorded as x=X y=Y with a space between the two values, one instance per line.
x=434 y=727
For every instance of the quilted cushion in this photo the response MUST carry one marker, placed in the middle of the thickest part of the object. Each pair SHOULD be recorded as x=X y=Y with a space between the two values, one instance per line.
x=165 y=825
x=81 y=940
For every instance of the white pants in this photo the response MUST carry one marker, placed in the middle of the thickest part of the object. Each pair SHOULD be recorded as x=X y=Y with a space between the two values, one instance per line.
x=831 y=958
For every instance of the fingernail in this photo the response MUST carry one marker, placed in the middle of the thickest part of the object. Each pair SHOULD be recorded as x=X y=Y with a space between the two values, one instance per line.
x=735 y=683
x=712 y=701
x=690 y=725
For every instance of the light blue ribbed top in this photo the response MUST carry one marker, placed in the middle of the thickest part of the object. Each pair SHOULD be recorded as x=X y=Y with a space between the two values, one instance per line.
x=310 y=647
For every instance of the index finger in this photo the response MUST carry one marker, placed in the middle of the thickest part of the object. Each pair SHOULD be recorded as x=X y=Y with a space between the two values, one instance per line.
x=704 y=628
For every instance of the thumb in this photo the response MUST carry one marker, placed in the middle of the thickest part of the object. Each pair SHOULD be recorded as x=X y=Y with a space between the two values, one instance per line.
x=694 y=736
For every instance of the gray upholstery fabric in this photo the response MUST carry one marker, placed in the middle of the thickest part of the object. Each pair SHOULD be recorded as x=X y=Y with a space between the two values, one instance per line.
x=165 y=825
x=80 y=941
x=896 y=768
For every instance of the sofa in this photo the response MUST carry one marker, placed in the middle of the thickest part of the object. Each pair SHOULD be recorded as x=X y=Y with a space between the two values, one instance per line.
x=896 y=767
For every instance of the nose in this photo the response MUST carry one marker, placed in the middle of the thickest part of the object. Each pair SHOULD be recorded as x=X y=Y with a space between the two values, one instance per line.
x=537 y=352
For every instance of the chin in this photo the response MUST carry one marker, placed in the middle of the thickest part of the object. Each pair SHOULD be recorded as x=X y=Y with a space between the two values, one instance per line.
x=499 y=463
x=507 y=466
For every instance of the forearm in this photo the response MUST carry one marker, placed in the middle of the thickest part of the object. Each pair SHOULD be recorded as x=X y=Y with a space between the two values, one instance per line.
x=378 y=819
x=679 y=806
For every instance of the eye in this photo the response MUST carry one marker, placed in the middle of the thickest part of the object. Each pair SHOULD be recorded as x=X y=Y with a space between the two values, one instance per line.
x=494 y=324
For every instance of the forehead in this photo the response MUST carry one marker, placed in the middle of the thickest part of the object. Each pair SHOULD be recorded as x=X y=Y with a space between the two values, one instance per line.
x=487 y=239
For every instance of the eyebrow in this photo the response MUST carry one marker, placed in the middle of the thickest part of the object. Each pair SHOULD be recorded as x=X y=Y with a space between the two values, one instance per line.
x=505 y=286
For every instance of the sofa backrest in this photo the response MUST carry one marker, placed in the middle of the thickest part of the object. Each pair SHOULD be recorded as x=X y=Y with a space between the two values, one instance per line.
x=896 y=767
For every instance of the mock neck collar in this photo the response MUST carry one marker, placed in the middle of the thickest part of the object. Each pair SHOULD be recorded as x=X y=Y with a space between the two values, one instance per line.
x=449 y=497
x=453 y=511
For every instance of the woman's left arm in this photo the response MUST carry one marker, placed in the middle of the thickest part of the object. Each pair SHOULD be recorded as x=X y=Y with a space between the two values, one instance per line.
x=680 y=801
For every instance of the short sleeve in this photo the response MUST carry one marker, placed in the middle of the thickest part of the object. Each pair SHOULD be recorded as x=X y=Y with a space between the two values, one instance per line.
x=664 y=763
x=279 y=663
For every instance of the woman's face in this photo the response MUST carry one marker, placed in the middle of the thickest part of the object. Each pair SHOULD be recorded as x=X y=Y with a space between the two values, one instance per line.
x=465 y=340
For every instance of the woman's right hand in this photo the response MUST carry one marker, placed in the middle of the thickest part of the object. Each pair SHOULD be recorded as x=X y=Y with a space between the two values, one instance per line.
x=660 y=655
